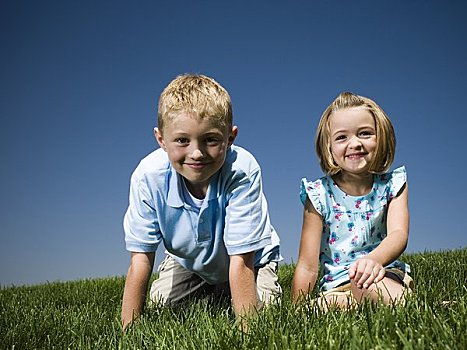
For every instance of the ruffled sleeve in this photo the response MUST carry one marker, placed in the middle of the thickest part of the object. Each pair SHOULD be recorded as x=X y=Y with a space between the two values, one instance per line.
x=315 y=191
x=397 y=179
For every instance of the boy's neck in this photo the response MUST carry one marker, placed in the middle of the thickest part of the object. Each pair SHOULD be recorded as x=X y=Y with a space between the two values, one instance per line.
x=354 y=184
x=196 y=191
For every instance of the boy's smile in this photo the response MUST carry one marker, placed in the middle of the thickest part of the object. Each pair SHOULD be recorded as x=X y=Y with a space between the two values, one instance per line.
x=196 y=148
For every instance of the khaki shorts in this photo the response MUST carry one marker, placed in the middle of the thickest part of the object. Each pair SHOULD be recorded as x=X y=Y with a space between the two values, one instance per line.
x=392 y=273
x=175 y=284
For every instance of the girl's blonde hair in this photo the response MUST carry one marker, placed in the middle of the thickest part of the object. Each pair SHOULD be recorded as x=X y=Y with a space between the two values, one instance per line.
x=385 y=137
x=197 y=94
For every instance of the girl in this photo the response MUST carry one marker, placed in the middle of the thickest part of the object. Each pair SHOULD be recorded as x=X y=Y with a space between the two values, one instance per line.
x=356 y=218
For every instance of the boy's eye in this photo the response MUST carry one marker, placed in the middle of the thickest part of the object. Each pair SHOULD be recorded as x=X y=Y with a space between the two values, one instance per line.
x=212 y=140
x=182 y=141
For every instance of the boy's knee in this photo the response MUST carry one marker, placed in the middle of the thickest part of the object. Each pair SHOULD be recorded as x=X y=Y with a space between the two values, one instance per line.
x=159 y=294
x=175 y=284
x=267 y=284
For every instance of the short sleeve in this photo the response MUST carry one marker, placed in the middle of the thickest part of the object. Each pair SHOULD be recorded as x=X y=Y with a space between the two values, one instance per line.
x=140 y=222
x=247 y=226
x=397 y=180
x=315 y=191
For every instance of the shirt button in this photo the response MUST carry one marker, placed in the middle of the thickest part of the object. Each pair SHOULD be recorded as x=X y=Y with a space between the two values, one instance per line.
x=201 y=221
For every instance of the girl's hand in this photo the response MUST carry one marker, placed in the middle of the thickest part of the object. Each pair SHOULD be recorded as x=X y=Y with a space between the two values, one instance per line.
x=366 y=271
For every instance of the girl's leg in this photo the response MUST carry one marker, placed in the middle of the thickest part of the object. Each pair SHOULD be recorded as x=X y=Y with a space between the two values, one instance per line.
x=339 y=298
x=339 y=301
x=388 y=290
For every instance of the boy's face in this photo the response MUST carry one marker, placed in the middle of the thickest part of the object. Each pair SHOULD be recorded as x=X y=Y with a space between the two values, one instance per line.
x=196 y=148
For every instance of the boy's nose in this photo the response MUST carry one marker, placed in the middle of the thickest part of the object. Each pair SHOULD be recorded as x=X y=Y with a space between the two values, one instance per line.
x=197 y=154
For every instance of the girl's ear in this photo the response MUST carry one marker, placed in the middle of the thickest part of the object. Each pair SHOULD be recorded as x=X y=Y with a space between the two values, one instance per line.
x=159 y=138
x=233 y=135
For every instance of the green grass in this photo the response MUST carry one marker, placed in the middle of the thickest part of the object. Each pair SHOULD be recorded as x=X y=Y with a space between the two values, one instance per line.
x=85 y=314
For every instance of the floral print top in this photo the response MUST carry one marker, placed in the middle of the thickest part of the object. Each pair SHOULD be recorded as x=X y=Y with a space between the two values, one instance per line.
x=352 y=225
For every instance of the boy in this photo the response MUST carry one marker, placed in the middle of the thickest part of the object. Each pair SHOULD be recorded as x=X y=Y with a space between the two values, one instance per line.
x=202 y=197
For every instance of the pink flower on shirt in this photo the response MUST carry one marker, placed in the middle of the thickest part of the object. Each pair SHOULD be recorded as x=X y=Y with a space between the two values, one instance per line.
x=336 y=258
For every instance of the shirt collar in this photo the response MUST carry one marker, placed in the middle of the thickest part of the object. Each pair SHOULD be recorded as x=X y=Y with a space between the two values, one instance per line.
x=175 y=195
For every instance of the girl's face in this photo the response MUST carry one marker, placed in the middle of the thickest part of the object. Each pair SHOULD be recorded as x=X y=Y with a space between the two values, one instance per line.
x=353 y=139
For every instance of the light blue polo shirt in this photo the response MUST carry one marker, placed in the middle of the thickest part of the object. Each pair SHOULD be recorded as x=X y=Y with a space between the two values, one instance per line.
x=233 y=218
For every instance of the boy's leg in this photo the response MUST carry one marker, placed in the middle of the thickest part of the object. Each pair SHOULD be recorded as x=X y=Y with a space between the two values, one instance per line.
x=268 y=288
x=175 y=283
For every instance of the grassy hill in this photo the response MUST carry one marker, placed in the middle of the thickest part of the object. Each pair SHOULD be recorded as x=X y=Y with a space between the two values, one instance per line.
x=85 y=314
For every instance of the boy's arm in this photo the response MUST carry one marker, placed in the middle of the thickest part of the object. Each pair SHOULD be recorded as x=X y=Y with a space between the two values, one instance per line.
x=136 y=286
x=242 y=283
x=370 y=269
x=307 y=269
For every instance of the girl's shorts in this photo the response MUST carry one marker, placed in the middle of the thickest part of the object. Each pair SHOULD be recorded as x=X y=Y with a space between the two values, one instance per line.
x=395 y=274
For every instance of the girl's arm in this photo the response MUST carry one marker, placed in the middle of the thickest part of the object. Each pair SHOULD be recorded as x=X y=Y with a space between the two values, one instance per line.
x=136 y=286
x=370 y=269
x=307 y=269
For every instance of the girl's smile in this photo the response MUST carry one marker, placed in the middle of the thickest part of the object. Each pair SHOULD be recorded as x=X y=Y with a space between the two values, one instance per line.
x=353 y=139
x=355 y=155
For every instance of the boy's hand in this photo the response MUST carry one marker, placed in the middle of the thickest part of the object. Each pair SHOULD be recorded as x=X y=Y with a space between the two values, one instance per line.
x=136 y=285
x=366 y=271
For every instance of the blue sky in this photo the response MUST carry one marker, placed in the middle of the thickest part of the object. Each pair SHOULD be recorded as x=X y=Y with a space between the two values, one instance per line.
x=79 y=83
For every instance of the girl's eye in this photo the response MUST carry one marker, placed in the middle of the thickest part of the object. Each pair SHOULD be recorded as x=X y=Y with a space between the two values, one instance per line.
x=366 y=133
x=340 y=137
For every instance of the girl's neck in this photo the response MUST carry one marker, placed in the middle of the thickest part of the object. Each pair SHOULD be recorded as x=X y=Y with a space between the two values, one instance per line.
x=354 y=184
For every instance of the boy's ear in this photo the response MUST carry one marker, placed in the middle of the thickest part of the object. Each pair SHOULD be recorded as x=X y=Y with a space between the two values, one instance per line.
x=233 y=135
x=159 y=138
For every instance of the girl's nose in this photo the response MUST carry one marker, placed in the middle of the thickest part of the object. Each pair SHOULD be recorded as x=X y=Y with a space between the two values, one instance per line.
x=355 y=142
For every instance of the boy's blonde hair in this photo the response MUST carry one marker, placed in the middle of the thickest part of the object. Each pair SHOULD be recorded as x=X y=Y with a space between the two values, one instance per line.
x=197 y=94
x=385 y=137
